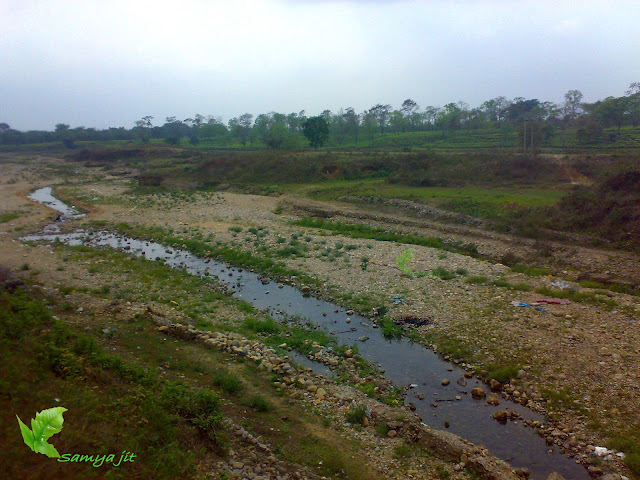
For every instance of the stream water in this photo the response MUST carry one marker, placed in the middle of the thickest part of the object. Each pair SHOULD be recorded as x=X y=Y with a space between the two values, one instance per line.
x=405 y=363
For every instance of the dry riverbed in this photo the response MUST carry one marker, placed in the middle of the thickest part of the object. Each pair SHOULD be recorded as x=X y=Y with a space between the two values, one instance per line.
x=577 y=362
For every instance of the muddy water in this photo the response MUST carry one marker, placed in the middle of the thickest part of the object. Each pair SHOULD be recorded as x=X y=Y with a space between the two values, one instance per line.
x=406 y=364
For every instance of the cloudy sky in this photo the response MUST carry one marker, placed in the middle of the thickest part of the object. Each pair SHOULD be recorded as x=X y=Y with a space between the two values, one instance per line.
x=107 y=63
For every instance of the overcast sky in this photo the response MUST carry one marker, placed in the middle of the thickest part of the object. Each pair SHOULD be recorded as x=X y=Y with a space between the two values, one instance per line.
x=101 y=63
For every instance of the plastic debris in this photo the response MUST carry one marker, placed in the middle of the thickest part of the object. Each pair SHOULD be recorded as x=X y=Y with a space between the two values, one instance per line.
x=560 y=284
x=554 y=301
x=541 y=309
x=398 y=299
x=602 y=451
x=519 y=304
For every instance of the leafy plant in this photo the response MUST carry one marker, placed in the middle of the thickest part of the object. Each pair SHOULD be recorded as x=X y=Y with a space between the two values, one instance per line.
x=364 y=263
x=47 y=423
x=356 y=413
x=403 y=261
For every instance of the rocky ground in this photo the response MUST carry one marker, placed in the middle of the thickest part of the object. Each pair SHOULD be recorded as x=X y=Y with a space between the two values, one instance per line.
x=578 y=362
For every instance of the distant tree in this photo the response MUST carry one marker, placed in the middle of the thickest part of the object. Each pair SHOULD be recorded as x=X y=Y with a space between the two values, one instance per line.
x=369 y=124
x=64 y=134
x=295 y=121
x=634 y=103
x=409 y=111
x=174 y=130
x=272 y=129
x=381 y=115
x=352 y=121
x=143 y=128
x=572 y=105
x=397 y=121
x=4 y=127
x=611 y=111
x=240 y=127
x=316 y=130
x=430 y=115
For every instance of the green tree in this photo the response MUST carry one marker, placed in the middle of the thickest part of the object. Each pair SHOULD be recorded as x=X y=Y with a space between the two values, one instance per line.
x=316 y=129
x=352 y=120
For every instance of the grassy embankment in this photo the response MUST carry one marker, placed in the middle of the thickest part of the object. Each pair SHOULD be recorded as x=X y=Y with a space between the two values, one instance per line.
x=149 y=396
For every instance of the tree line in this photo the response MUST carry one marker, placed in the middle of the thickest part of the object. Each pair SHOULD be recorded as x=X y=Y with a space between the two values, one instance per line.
x=535 y=121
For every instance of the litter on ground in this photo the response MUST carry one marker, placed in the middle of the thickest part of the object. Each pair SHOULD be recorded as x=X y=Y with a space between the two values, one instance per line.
x=398 y=299
x=554 y=301
x=560 y=284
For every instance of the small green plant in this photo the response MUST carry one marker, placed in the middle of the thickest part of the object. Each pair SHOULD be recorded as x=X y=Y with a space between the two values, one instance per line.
x=261 y=326
x=443 y=473
x=24 y=266
x=477 y=280
x=260 y=404
x=504 y=373
x=403 y=261
x=382 y=429
x=402 y=450
x=462 y=271
x=443 y=273
x=364 y=263
x=356 y=414
x=229 y=383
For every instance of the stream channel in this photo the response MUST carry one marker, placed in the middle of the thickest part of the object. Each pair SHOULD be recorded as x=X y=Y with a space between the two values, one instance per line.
x=405 y=363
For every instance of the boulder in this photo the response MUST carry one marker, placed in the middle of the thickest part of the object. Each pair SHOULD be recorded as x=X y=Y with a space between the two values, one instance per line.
x=478 y=392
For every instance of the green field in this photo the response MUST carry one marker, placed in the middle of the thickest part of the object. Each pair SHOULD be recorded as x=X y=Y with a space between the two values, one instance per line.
x=483 y=202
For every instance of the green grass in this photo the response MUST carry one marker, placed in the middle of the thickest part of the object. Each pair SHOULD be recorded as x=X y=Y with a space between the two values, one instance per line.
x=132 y=409
x=477 y=201
x=8 y=216
x=531 y=271
x=503 y=373
x=630 y=445
x=260 y=404
x=228 y=382
x=443 y=273
x=356 y=230
x=356 y=414
x=476 y=280
x=267 y=325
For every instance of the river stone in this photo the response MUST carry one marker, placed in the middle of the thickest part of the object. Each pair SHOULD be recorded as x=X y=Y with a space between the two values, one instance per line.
x=501 y=416
x=321 y=393
x=478 y=392
x=446 y=382
x=493 y=399
x=462 y=381
x=392 y=433
x=495 y=385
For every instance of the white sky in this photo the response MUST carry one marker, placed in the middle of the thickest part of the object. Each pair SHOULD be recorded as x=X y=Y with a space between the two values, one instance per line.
x=102 y=63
